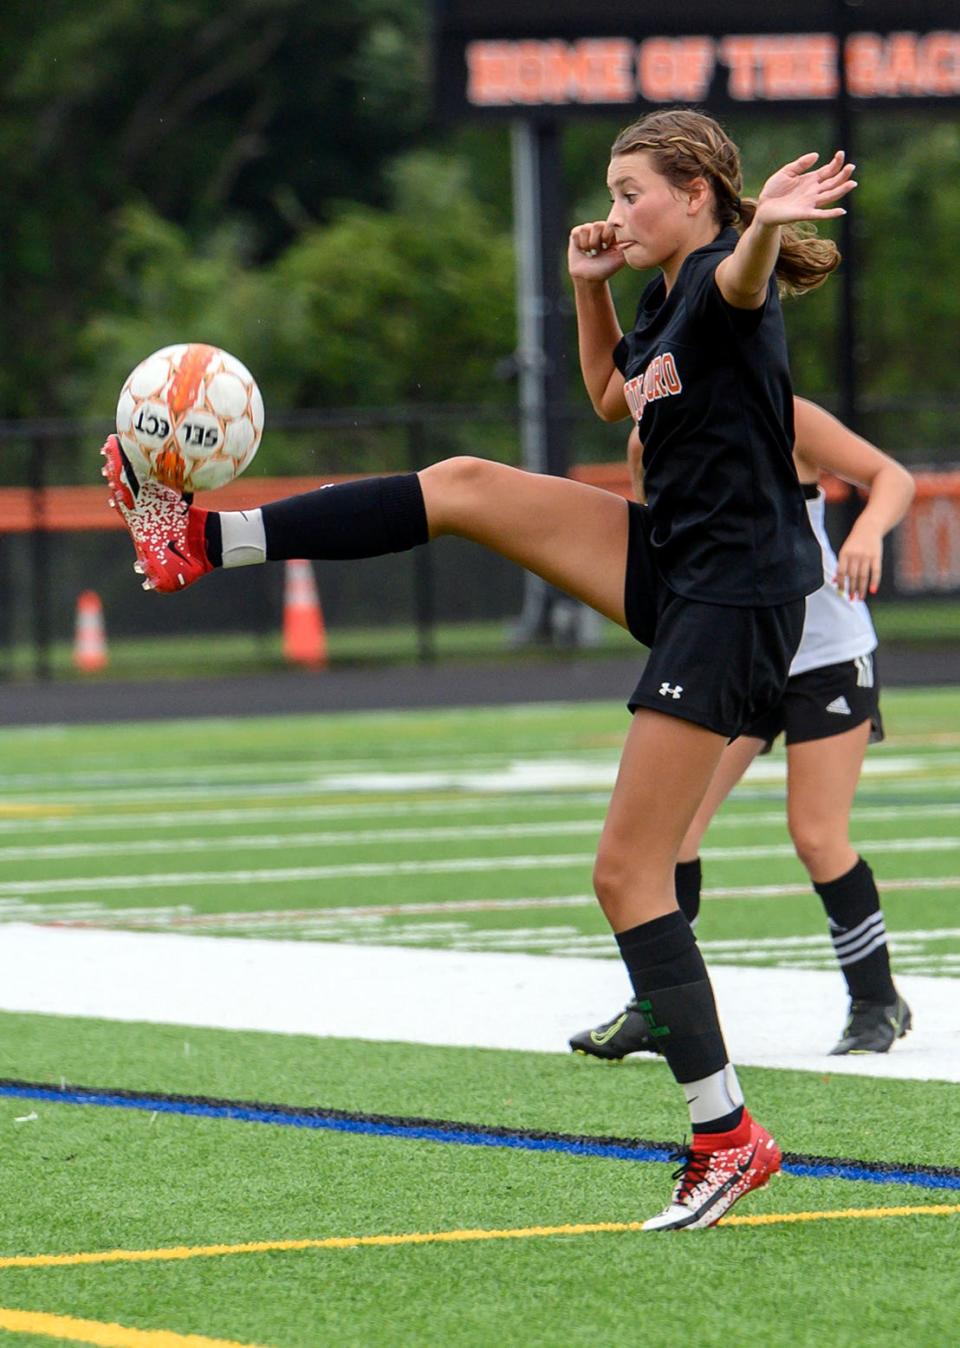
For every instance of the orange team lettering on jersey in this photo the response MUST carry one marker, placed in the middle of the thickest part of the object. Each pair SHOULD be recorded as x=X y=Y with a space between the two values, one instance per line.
x=659 y=380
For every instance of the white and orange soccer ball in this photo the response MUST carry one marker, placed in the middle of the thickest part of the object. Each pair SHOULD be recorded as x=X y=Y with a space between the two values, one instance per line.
x=190 y=416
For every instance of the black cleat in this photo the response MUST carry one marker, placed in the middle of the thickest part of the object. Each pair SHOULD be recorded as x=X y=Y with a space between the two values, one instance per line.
x=626 y=1033
x=872 y=1027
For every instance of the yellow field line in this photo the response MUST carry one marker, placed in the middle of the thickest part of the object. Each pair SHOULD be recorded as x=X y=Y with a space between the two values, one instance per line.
x=173 y=1252
x=35 y=810
x=772 y=1218
x=104 y=1335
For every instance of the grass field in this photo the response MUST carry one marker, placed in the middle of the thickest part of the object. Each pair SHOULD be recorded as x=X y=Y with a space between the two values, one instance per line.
x=195 y=1156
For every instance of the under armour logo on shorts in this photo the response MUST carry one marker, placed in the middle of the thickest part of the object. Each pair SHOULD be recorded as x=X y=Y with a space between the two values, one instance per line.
x=674 y=692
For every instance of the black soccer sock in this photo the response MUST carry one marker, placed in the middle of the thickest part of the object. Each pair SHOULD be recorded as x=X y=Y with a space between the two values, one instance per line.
x=674 y=996
x=342 y=522
x=348 y=520
x=858 y=933
x=213 y=538
x=687 y=880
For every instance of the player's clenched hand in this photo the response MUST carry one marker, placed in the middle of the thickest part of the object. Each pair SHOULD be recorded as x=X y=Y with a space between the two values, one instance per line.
x=799 y=191
x=593 y=254
x=859 y=562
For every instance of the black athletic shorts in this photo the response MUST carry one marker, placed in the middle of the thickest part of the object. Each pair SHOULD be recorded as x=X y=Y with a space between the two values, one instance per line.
x=717 y=665
x=823 y=702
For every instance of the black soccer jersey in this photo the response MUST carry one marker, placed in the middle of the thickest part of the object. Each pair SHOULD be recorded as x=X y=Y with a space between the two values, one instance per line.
x=709 y=386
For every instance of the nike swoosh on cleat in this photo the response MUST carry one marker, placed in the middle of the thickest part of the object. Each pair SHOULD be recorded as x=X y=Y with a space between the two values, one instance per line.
x=740 y=1173
x=172 y=547
x=608 y=1033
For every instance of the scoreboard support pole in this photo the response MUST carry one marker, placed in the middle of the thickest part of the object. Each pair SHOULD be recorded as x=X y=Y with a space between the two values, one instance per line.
x=539 y=241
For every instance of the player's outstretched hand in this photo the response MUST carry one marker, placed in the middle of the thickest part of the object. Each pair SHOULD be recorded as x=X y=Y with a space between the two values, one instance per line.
x=593 y=254
x=799 y=191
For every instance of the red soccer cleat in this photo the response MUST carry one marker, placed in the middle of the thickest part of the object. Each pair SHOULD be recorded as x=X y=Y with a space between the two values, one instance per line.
x=712 y=1180
x=167 y=531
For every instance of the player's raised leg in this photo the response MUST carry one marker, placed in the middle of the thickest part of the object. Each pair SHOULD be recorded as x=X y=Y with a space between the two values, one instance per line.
x=573 y=535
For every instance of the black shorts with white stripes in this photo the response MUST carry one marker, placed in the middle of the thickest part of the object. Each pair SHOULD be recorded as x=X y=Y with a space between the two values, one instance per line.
x=824 y=702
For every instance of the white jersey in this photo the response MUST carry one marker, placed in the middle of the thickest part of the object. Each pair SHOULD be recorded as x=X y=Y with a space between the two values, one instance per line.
x=835 y=629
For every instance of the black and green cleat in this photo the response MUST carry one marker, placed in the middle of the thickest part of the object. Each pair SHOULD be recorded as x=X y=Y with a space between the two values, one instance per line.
x=873 y=1027
x=626 y=1033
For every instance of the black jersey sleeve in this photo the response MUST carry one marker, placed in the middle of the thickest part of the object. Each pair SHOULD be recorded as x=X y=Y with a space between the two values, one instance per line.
x=707 y=302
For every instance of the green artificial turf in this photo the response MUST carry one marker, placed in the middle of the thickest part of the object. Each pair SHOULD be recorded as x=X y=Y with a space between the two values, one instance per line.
x=158 y=825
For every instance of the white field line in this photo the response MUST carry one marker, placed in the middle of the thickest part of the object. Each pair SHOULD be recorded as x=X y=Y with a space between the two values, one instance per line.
x=270 y=842
x=304 y=770
x=772 y=1017
x=183 y=915
x=292 y=874
x=267 y=842
x=454 y=763
x=427 y=866
x=151 y=821
x=518 y=775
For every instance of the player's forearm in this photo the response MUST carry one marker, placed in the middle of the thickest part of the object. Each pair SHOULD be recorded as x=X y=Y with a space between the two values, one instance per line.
x=598 y=332
x=743 y=277
x=891 y=493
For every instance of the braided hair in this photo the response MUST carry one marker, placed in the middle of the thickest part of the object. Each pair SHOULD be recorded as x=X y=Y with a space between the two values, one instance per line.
x=683 y=145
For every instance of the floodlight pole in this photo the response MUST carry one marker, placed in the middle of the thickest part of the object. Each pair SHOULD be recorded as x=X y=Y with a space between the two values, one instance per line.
x=538 y=241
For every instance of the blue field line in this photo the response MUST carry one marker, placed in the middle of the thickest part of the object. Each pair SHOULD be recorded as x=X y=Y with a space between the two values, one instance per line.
x=425 y=1132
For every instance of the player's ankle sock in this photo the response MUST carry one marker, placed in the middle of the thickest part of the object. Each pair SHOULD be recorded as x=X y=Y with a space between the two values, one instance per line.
x=687 y=879
x=674 y=996
x=858 y=933
x=348 y=520
x=235 y=538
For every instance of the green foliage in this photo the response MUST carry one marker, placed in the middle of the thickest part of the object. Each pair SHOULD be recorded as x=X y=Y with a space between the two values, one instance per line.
x=378 y=307
x=255 y=114
x=414 y=304
x=264 y=175
x=910 y=213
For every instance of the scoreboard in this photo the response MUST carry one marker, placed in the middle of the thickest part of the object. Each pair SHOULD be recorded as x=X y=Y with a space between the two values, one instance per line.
x=493 y=59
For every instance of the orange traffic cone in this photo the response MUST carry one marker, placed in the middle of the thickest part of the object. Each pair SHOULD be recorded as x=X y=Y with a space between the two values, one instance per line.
x=304 y=634
x=90 y=643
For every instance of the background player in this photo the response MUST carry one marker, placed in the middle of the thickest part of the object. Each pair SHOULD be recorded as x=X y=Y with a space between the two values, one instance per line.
x=718 y=599
x=828 y=714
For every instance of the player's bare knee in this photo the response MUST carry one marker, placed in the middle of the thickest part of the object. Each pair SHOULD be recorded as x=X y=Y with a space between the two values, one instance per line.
x=817 y=846
x=453 y=487
x=611 y=881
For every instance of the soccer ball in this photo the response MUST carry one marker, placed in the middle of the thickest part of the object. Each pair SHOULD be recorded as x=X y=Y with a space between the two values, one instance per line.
x=190 y=416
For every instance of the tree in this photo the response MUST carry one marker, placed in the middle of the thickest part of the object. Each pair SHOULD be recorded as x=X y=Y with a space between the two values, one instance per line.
x=264 y=111
x=410 y=303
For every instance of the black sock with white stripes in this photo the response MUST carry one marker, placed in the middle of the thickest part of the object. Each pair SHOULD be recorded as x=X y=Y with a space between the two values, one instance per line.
x=858 y=933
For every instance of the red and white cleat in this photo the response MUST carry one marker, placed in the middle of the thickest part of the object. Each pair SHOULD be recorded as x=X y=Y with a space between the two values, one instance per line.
x=167 y=531
x=711 y=1180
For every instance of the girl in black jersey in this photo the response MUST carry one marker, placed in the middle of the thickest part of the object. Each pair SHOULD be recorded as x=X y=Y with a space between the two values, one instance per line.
x=828 y=713
x=712 y=575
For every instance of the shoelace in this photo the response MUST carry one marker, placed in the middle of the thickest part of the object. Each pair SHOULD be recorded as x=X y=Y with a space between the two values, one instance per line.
x=691 y=1171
